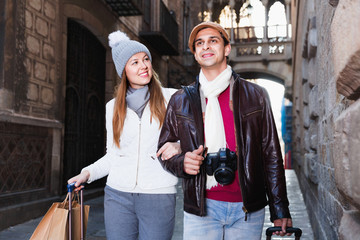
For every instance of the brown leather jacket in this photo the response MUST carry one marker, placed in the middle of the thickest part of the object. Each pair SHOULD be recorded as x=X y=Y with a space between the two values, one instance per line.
x=260 y=164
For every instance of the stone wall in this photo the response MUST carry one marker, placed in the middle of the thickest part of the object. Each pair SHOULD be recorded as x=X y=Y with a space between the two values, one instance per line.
x=33 y=83
x=325 y=112
x=32 y=98
x=41 y=32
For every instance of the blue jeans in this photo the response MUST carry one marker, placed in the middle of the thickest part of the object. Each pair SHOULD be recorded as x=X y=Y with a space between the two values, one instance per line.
x=137 y=216
x=224 y=220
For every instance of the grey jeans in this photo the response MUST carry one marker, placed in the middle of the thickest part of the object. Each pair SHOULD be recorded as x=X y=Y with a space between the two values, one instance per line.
x=138 y=216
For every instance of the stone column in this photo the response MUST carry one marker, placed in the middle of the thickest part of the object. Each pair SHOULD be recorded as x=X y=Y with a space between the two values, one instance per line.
x=202 y=10
x=232 y=37
x=2 y=39
x=7 y=54
x=265 y=3
x=210 y=5
x=287 y=8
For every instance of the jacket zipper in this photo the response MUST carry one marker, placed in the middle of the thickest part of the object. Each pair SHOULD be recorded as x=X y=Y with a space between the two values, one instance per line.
x=138 y=160
x=246 y=212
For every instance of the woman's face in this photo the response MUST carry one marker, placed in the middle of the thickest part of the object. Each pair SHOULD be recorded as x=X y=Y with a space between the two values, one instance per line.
x=138 y=70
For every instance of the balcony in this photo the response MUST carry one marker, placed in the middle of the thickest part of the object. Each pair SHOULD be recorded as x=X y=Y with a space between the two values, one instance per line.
x=254 y=44
x=125 y=7
x=162 y=33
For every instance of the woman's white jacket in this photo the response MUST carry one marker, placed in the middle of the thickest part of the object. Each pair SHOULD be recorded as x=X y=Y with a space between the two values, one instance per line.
x=134 y=166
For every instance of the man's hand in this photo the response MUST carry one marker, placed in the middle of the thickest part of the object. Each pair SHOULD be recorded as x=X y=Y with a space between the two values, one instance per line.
x=283 y=223
x=193 y=161
x=168 y=150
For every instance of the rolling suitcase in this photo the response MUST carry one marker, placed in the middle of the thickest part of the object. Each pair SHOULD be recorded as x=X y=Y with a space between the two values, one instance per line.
x=271 y=230
x=71 y=188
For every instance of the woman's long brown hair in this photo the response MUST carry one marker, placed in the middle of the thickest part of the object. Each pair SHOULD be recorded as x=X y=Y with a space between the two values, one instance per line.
x=157 y=104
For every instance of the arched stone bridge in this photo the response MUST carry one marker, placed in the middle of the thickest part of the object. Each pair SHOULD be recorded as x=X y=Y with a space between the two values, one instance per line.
x=258 y=58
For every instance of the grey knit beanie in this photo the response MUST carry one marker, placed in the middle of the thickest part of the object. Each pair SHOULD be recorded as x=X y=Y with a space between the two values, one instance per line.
x=123 y=49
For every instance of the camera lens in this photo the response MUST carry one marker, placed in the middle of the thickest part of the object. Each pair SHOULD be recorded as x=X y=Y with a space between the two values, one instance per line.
x=224 y=175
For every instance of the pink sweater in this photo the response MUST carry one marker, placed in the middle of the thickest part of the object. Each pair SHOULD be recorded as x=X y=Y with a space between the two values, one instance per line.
x=231 y=192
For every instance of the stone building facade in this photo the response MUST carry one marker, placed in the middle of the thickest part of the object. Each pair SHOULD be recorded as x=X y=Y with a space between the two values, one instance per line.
x=56 y=74
x=326 y=107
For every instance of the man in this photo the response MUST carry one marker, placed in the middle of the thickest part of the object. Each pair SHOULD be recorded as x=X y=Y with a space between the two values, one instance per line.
x=226 y=114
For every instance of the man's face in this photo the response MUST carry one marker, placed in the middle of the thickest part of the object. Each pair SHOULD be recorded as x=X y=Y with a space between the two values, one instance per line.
x=210 y=51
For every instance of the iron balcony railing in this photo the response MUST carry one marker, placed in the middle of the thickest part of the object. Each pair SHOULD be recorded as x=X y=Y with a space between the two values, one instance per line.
x=125 y=7
x=161 y=32
x=275 y=33
x=254 y=44
x=168 y=25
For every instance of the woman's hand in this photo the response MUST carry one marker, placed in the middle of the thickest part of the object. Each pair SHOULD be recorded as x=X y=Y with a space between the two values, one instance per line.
x=79 y=179
x=168 y=150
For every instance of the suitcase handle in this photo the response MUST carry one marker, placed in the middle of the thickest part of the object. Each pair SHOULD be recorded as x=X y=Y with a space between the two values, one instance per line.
x=271 y=230
x=71 y=188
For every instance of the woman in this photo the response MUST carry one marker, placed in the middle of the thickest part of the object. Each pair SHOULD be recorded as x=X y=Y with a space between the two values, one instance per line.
x=139 y=200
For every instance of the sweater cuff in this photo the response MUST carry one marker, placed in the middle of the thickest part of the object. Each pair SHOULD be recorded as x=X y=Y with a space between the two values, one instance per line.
x=90 y=180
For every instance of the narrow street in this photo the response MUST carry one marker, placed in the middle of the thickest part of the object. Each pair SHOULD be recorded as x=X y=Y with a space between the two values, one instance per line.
x=96 y=229
x=57 y=73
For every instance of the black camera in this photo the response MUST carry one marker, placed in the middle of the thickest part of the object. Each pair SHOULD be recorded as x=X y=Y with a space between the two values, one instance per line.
x=222 y=165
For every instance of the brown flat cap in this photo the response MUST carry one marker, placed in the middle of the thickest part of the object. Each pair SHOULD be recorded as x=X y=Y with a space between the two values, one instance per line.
x=201 y=26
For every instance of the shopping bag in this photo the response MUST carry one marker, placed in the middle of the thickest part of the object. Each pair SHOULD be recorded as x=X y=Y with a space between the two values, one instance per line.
x=42 y=229
x=59 y=226
x=55 y=223
x=58 y=229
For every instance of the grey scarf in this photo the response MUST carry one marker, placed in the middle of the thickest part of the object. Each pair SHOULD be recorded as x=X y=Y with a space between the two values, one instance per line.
x=137 y=99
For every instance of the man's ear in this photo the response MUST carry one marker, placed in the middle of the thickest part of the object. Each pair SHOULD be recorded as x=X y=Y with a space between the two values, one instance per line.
x=227 y=50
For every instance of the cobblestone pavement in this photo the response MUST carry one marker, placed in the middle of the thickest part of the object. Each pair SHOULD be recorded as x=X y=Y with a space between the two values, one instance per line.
x=96 y=231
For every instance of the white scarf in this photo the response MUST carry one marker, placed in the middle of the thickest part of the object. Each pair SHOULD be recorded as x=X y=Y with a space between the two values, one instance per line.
x=214 y=126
